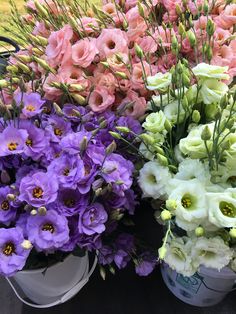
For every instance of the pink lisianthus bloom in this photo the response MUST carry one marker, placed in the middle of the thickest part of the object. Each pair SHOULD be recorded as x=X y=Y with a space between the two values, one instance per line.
x=166 y=62
x=117 y=62
x=88 y=24
x=170 y=6
x=137 y=78
x=112 y=41
x=227 y=17
x=136 y=24
x=101 y=99
x=84 y=52
x=148 y=44
x=58 y=50
x=41 y=30
x=136 y=105
x=49 y=4
x=163 y=37
x=52 y=93
x=220 y=36
x=106 y=79
x=111 y=9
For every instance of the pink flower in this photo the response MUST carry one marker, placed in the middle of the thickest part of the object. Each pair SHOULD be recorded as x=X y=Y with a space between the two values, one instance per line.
x=101 y=99
x=163 y=37
x=136 y=105
x=106 y=79
x=227 y=17
x=53 y=93
x=112 y=41
x=170 y=6
x=118 y=62
x=136 y=24
x=58 y=50
x=84 y=52
x=221 y=35
x=148 y=44
x=88 y=24
x=137 y=77
x=41 y=30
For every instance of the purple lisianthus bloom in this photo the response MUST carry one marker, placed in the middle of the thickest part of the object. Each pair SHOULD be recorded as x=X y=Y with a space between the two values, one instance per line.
x=25 y=170
x=73 y=234
x=89 y=242
x=96 y=153
x=118 y=171
x=70 y=202
x=7 y=211
x=12 y=254
x=92 y=219
x=68 y=169
x=32 y=103
x=56 y=128
x=124 y=245
x=38 y=189
x=146 y=264
x=69 y=111
x=49 y=232
x=130 y=201
x=54 y=151
x=130 y=123
x=73 y=141
x=36 y=143
x=121 y=258
x=12 y=141
x=106 y=255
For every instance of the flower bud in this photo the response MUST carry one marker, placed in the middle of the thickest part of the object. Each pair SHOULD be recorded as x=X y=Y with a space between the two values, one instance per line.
x=196 y=116
x=210 y=28
x=168 y=125
x=174 y=44
x=33 y=212
x=181 y=30
x=42 y=40
x=209 y=53
x=141 y=10
x=76 y=113
x=171 y=204
x=44 y=64
x=76 y=87
x=24 y=58
x=3 y=83
x=165 y=215
x=102 y=272
x=148 y=139
x=79 y=99
x=115 y=135
x=27 y=245
x=42 y=211
x=123 y=129
x=199 y=231
x=112 y=270
x=84 y=144
x=186 y=80
x=103 y=124
x=11 y=197
x=139 y=52
x=206 y=134
x=162 y=160
x=5 y=178
x=232 y=233
x=192 y=38
x=12 y=68
x=41 y=9
x=105 y=64
x=57 y=109
x=37 y=51
x=121 y=75
x=185 y=102
x=162 y=252
x=178 y=9
x=111 y=148
x=224 y=101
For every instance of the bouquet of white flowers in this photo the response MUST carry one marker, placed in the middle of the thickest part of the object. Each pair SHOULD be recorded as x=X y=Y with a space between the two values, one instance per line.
x=190 y=142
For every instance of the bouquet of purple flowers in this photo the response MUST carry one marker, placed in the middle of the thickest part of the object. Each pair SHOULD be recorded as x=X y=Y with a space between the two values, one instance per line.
x=66 y=183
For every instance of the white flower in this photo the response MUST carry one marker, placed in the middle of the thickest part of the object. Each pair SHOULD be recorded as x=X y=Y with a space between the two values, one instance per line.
x=212 y=91
x=178 y=256
x=191 y=204
x=222 y=208
x=159 y=81
x=155 y=122
x=193 y=169
x=172 y=110
x=212 y=252
x=153 y=179
x=158 y=100
x=204 y=70
x=178 y=154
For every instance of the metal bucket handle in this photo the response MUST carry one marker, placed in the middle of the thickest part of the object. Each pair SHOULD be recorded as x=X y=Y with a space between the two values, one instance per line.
x=67 y=296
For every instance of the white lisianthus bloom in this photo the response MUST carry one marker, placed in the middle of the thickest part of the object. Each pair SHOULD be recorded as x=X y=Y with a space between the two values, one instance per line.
x=190 y=203
x=193 y=169
x=155 y=122
x=153 y=179
x=159 y=81
x=178 y=154
x=222 y=209
x=204 y=70
x=172 y=110
x=178 y=257
x=160 y=100
x=192 y=145
x=212 y=252
x=212 y=91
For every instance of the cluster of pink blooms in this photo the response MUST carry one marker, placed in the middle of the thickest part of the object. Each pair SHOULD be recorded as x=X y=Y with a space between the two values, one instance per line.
x=102 y=59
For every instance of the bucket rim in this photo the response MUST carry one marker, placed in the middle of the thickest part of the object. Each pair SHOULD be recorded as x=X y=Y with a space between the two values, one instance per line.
x=42 y=269
x=224 y=273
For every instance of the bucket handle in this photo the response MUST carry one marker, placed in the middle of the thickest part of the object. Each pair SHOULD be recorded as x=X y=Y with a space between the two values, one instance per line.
x=67 y=296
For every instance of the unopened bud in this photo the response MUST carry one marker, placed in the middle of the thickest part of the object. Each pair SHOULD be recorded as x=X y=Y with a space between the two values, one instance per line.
x=105 y=64
x=11 y=197
x=162 y=252
x=12 y=68
x=3 y=83
x=42 y=211
x=196 y=117
x=186 y=80
x=181 y=30
x=139 y=52
x=224 y=101
x=141 y=10
x=111 y=148
x=76 y=87
x=57 y=109
x=199 y=231
x=84 y=144
x=41 y=9
x=115 y=135
x=37 y=51
x=5 y=178
x=44 y=65
x=192 y=38
x=121 y=75
x=24 y=58
x=27 y=245
x=33 y=212
x=232 y=233
x=165 y=215
x=205 y=7
x=123 y=129
x=210 y=28
x=171 y=204
x=168 y=125
x=209 y=53
x=185 y=102
x=206 y=134
x=79 y=99
x=148 y=139
x=178 y=9
x=102 y=273
x=42 y=40
x=162 y=160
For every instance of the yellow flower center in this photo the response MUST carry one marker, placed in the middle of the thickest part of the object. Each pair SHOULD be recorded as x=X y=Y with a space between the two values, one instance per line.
x=66 y=172
x=69 y=203
x=29 y=142
x=48 y=227
x=5 y=205
x=12 y=146
x=228 y=209
x=9 y=249
x=37 y=192
x=186 y=202
x=30 y=108
x=58 y=132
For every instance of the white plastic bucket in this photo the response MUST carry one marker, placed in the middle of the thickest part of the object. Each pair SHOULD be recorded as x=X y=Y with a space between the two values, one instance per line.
x=55 y=285
x=205 y=288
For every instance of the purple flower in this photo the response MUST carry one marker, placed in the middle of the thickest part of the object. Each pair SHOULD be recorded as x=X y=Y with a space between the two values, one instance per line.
x=56 y=128
x=12 y=255
x=12 y=141
x=90 y=171
x=118 y=171
x=36 y=142
x=38 y=189
x=124 y=246
x=68 y=110
x=70 y=202
x=92 y=219
x=7 y=211
x=96 y=153
x=106 y=255
x=68 y=169
x=90 y=242
x=49 y=232
x=73 y=234
x=121 y=259
x=130 y=123
x=145 y=265
x=73 y=141
x=32 y=103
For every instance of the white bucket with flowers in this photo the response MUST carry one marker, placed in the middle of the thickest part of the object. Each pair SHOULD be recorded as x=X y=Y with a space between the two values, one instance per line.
x=207 y=287
x=47 y=287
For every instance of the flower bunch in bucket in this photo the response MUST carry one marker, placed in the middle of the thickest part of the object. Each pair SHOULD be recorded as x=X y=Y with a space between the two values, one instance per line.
x=189 y=140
